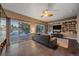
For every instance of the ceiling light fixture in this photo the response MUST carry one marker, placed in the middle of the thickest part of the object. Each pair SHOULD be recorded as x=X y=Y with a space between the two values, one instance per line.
x=47 y=12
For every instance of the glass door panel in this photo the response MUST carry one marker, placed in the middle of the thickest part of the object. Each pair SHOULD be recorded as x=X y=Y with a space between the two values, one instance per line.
x=3 y=29
x=14 y=33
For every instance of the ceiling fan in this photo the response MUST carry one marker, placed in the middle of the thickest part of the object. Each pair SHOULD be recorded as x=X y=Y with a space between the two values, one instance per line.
x=46 y=12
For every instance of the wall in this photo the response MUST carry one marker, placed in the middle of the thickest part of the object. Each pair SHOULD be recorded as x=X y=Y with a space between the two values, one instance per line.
x=78 y=28
x=30 y=20
x=60 y=22
x=33 y=28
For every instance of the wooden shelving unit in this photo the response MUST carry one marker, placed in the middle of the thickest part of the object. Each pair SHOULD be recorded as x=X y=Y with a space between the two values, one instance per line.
x=69 y=26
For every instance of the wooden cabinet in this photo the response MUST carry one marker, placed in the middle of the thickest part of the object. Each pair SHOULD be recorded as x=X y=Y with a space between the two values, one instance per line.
x=62 y=42
x=68 y=43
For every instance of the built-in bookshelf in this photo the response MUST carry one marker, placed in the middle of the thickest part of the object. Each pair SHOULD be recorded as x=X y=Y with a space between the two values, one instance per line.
x=69 y=26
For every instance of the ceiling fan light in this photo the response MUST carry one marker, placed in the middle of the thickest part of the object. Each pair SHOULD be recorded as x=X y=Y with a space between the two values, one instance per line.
x=50 y=14
x=47 y=13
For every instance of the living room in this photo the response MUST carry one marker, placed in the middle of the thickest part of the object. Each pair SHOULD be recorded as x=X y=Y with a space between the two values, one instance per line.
x=52 y=26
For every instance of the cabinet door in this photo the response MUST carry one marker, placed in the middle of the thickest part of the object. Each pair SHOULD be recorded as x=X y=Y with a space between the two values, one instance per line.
x=62 y=42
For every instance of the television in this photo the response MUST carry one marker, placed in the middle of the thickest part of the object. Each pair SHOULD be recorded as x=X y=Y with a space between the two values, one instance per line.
x=56 y=27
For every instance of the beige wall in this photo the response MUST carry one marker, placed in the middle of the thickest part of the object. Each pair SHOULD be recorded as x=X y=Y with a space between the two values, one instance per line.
x=78 y=28
x=66 y=34
x=33 y=22
x=32 y=28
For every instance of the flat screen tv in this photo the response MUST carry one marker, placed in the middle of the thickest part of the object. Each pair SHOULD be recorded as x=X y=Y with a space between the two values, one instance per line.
x=57 y=27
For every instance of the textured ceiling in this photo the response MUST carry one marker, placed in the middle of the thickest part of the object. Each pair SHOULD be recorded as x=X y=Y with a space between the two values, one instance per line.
x=34 y=10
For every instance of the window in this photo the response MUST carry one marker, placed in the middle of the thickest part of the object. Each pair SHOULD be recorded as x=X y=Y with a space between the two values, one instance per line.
x=40 y=28
x=24 y=28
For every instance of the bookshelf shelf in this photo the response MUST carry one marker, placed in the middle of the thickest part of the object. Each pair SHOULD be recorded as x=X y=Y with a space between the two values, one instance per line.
x=69 y=26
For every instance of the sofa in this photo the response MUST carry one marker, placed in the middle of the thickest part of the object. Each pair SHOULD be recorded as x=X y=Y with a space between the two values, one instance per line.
x=45 y=39
x=58 y=35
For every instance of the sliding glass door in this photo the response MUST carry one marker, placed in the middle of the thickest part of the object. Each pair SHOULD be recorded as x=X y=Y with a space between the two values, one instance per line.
x=11 y=29
x=2 y=29
x=19 y=31
x=14 y=31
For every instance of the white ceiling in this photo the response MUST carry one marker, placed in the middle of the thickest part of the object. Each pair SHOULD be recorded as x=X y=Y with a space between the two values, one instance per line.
x=34 y=10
